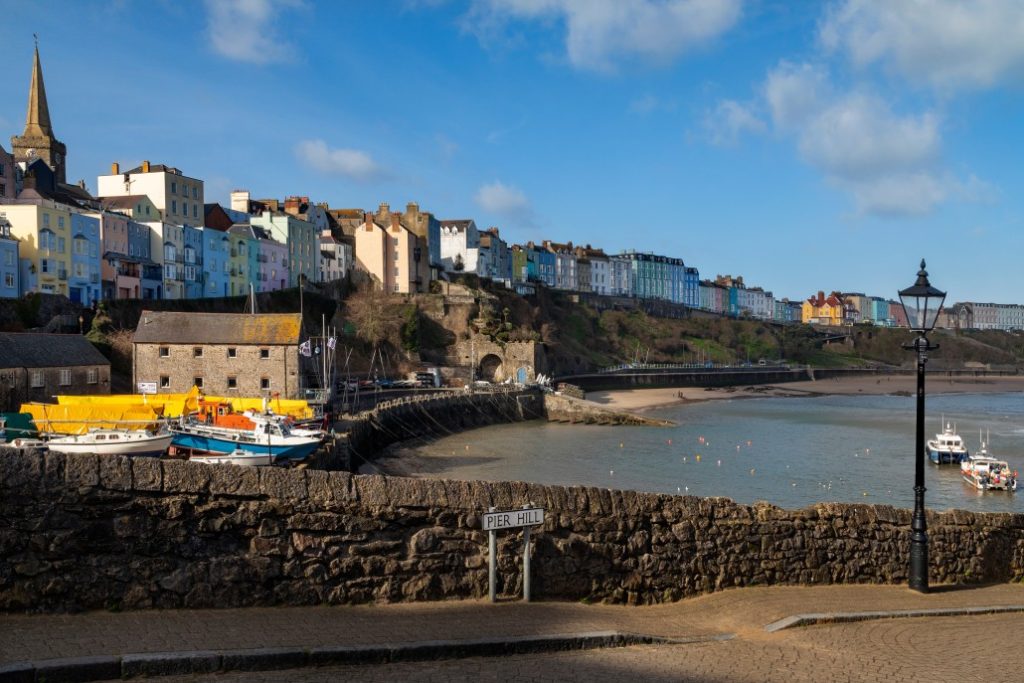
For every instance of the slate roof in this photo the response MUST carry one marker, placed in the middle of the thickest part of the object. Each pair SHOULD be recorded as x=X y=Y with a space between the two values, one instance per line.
x=171 y=327
x=127 y=201
x=39 y=350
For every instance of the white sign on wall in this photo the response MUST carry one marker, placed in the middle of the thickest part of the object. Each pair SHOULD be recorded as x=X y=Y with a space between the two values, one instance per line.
x=147 y=387
x=492 y=521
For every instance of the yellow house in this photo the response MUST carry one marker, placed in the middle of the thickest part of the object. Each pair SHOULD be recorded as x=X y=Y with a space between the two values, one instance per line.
x=823 y=310
x=44 y=229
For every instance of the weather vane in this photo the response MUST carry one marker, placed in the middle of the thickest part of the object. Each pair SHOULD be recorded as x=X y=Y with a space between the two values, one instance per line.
x=36 y=38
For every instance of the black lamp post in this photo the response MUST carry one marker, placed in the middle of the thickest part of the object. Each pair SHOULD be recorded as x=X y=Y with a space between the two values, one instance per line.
x=921 y=305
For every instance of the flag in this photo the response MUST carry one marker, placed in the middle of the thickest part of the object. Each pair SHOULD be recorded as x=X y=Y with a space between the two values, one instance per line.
x=305 y=349
x=331 y=342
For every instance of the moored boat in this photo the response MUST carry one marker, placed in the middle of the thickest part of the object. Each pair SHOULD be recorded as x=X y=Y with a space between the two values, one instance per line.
x=235 y=457
x=947 y=448
x=270 y=436
x=986 y=473
x=113 y=442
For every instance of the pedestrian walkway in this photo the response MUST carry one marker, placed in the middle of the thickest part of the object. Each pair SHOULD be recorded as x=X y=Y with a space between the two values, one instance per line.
x=436 y=630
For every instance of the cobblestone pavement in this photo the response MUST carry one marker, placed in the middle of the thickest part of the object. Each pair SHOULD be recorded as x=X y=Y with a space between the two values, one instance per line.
x=964 y=647
x=980 y=649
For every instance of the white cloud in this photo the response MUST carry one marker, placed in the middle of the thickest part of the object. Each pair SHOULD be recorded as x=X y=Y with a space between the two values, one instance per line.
x=729 y=121
x=351 y=163
x=245 y=31
x=599 y=32
x=504 y=200
x=948 y=44
x=890 y=163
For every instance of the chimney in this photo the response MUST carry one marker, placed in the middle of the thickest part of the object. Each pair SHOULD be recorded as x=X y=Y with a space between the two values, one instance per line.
x=396 y=224
x=240 y=201
x=383 y=210
x=145 y=166
x=115 y=168
x=368 y=221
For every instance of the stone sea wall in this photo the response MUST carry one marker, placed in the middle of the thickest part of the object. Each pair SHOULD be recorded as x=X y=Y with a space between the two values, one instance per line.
x=87 y=532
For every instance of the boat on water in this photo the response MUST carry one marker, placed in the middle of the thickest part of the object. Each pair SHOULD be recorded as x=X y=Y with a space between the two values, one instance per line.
x=271 y=435
x=113 y=442
x=947 y=448
x=987 y=473
x=236 y=457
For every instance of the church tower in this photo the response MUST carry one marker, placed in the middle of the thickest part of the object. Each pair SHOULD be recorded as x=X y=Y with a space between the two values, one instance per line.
x=38 y=140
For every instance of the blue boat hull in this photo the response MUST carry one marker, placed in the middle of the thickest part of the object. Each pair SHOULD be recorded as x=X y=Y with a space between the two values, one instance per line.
x=212 y=444
x=945 y=457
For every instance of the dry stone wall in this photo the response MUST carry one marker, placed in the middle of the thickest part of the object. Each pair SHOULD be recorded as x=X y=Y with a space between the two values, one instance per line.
x=87 y=532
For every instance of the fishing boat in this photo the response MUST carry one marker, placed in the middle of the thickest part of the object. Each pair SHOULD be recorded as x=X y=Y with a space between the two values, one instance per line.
x=986 y=473
x=113 y=442
x=947 y=448
x=270 y=435
x=236 y=457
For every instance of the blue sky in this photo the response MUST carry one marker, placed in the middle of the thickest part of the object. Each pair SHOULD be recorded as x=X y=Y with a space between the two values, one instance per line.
x=802 y=145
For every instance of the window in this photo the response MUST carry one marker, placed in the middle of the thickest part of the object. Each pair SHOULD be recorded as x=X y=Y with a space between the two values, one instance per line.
x=60 y=221
x=195 y=193
x=174 y=206
x=264 y=383
x=165 y=351
x=61 y=245
x=197 y=351
x=174 y=187
x=46 y=220
x=195 y=211
x=8 y=280
x=165 y=382
x=92 y=376
x=264 y=353
x=198 y=382
x=232 y=352
x=232 y=382
x=65 y=377
x=184 y=208
x=36 y=380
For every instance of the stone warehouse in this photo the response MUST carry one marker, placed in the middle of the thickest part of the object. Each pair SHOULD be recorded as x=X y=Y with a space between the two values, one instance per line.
x=222 y=354
x=87 y=532
x=37 y=367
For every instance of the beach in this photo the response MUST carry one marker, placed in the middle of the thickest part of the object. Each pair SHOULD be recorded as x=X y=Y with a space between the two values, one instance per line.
x=938 y=383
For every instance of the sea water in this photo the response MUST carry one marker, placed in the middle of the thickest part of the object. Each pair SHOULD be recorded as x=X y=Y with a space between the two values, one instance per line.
x=791 y=452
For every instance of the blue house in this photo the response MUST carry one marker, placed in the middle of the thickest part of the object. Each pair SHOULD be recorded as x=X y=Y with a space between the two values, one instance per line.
x=691 y=288
x=84 y=278
x=216 y=262
x=192 y=239
x=540 y=265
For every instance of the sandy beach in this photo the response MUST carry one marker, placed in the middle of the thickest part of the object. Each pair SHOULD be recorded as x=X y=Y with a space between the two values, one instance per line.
x=639 y=399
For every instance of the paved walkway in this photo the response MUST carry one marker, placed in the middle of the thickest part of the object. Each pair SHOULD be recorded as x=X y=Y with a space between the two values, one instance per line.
x=723 y=636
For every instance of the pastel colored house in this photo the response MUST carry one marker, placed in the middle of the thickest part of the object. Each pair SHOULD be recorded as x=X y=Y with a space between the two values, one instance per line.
x=7 y=179
x=541 y=265
x=192 y=241
x=216 y=262
x=43 y=229
x=179 y=198
x=392 y=255
x=459 y=246
x=84 y=276
x=566 y=276
x=302 y=239
x=9 y=259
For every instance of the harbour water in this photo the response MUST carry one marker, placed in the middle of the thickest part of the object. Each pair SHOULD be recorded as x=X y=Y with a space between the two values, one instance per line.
x=791 y=452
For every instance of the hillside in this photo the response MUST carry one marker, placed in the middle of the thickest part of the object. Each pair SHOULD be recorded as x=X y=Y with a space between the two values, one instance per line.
x=393 y=334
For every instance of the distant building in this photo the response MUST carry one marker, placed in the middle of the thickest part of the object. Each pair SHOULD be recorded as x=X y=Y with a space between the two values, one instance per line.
x=335 y=257
x=566 y=276
x=138 y=206
x=179 y=198
x=43 y=229
x=540 y=265
x=495 y=258
x=301 y=238
x=37 y=367
x=657 y=277
x=459 y=246
x=392 y=255
x=216 y=262
x=221 y=353
x=8 y=190
x=827 y=310
x=9 y=260
x=599 y=279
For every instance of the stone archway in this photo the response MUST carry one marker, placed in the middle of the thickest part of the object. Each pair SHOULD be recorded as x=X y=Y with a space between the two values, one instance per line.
x=490 y=368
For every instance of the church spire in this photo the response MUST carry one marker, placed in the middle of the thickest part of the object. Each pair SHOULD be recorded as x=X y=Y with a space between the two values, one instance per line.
x=37 y=119
x=38 y=140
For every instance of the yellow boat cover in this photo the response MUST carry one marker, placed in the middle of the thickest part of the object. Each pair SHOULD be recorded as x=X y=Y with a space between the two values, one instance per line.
x=78 y=419
x=176 y=405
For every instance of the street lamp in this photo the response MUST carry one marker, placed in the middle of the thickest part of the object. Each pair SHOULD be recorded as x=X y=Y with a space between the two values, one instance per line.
x=921 y=305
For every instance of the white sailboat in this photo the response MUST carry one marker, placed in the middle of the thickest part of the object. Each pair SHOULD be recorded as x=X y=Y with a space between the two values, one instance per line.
x=113 y=442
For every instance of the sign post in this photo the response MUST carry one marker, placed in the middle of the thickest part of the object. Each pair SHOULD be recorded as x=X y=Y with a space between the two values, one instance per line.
x=510 y=519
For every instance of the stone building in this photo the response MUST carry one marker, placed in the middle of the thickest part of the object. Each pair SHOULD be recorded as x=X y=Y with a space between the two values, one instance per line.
x=37 y=367
x=37 y=141
x=223 y=354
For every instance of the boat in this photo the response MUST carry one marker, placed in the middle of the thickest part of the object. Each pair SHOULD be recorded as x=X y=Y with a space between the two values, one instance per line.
x=271 y=436
x=947 y=448
x=238 y=456
x=986 y=473
x=113 y=442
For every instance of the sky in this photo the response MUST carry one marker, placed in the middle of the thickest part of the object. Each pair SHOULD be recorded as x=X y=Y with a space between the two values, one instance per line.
x=802 y=145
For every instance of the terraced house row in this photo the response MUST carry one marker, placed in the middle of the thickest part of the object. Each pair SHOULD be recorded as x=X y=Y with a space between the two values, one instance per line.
x=150 y=233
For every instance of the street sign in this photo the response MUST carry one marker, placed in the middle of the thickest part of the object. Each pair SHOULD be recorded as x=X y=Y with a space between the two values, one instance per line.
x=492 y=521
x=147 y=387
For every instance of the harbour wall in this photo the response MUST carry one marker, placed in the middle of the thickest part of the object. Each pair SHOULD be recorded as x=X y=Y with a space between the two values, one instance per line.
x=86 y=532
x=717 y=377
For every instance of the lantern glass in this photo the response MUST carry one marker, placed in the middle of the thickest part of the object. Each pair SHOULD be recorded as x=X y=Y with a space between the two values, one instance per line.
x=922 y=303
